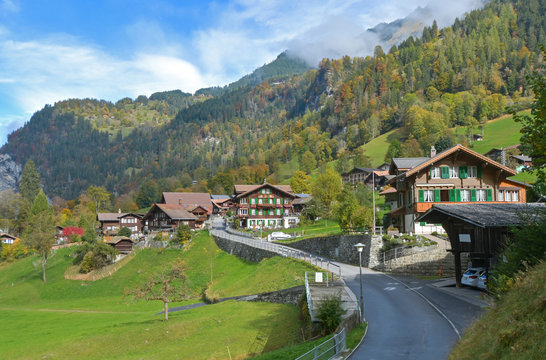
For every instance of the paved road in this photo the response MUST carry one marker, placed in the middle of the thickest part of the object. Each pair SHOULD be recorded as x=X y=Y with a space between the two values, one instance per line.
x=407 y=318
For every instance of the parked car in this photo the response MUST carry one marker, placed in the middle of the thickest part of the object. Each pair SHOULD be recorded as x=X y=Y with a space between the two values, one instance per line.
x=279 y=235
x=482 y=280
x=471 y=276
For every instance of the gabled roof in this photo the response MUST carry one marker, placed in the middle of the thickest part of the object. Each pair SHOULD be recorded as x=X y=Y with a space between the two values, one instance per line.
x=484 y=214
x=522 y=158
x=358 y=169
x=116 y=239
x=448 y=152
x=239 y=189
x=285 y=189
x=390 y=190
x=110 y=216
x=381 y=172
x=174 y=211
x=406 y=163
x=220 y=197
x=495 y=150
x=188 y=199
x=130 y=214
x=6 y=236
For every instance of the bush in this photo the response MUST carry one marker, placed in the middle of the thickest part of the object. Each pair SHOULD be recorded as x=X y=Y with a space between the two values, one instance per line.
x=93 y=256
x=330 y=313
x=125 y=231
x=236 y=223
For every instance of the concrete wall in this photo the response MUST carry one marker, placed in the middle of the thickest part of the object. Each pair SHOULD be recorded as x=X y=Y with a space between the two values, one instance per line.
x=341 y=248
x=243 y=251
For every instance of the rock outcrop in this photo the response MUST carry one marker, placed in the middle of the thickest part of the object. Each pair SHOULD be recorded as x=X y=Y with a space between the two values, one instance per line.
x=10 y=172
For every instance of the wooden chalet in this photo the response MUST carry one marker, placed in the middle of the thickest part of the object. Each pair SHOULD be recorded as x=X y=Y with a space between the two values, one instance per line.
x=188 y=200
x=201 y=216
x=265 y=205
x=131 y=221
x=111 y=223
x=122 y=244
x=481 y=230
x=457 y=175
x=168 y=217
x=6 y=238
x=221 y=206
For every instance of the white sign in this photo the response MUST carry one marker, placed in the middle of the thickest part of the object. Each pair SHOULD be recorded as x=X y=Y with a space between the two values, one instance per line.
x=464 y=238
x=318 y=277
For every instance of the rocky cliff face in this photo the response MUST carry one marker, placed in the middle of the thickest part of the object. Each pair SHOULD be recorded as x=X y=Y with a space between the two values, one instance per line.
x=10 y=172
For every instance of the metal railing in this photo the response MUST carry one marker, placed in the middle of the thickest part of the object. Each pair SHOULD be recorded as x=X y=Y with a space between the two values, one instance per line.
x=309 y=299
x=328 y=349
x=408 y=250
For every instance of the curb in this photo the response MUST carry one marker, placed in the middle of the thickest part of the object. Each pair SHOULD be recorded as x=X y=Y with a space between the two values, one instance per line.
x=360 y=342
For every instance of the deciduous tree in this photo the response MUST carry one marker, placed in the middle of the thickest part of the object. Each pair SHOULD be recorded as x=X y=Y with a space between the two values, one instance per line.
x=300 y=182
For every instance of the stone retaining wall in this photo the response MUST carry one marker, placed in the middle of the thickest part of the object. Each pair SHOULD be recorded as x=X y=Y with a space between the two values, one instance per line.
x=286 y=296
x=341 y=248
x=243 y=251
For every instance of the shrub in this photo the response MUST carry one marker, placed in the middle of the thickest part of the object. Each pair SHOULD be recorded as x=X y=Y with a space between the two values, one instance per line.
x=93 y=256
x=330 y=313
x=125 y=231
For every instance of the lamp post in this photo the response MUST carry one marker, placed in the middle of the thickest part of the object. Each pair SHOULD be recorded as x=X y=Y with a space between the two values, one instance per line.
x=360 y=247
x=373 y=202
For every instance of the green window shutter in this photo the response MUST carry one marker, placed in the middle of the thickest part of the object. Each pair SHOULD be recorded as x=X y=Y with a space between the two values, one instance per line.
x=452 y=195
x=422 y=223
x=458 y=194
x=421 y=196
x=463 y=172
x=472 y=194
x=479 y=171
x=251 y=201
x=489 y=194
x=437 y=197
x=445 y=172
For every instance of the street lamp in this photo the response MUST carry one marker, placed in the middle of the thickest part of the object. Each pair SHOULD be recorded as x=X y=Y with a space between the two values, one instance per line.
x=360 y=247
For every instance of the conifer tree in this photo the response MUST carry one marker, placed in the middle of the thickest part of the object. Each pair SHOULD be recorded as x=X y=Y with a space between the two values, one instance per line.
x=29 y=185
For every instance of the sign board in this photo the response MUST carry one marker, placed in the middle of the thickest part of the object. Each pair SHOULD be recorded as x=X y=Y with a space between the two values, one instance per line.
x=318 y=277
x=464 y=238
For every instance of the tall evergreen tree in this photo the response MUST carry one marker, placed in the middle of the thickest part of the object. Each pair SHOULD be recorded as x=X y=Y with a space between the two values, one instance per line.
x=29 y=185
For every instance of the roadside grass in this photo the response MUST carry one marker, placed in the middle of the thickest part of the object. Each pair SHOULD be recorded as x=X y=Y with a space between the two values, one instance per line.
x=91 y=320
x=514 y=327
x=323 y=227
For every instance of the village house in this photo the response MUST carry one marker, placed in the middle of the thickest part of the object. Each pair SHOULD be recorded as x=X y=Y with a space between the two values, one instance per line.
x=7 y=238
x=457 y=175
x=266 y=205
x=188 y=200
x=168 y=217
x=122 y=244
x=111 y=223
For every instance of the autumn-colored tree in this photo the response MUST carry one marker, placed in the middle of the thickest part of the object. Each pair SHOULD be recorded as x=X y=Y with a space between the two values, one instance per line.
x=300 y=182
x=308 y=162
x=99 y=197
x=170 y=285
x=326 y=187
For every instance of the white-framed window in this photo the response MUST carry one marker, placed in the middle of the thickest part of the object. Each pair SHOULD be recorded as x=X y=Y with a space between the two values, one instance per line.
x=428 y=195
x=244 y=200
x=252 y=211
x=515 y=195
x=286 y=212
x=243 y=211
x=472 y=171
x=453 y=172
x=500 y=196
x=435 y=173
x=278 y=212
x=481 y=195
x=260 y=201
x=278 y=201
x=465 y=195
x=260 y=212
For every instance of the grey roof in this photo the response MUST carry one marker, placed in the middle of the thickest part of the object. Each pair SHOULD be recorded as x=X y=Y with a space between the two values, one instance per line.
x=110 y=216
x=220 y=197
x=301 y=200
x=358 y=169
x=522 y=157
x=485 y=215
x=303 y=195
x=408 y=163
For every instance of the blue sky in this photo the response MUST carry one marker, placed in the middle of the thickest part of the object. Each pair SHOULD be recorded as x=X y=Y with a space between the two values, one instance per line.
x=52 y=50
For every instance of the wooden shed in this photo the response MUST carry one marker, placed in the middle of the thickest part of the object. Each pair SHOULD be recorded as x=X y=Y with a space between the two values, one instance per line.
x=481 y=230
x=122 y=244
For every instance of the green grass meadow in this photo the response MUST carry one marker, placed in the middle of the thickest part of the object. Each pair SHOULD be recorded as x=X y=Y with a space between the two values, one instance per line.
x=67 y=319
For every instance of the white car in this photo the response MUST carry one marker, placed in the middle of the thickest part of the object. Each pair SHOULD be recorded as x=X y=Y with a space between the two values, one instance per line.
x=279 y=235
x=472 y=275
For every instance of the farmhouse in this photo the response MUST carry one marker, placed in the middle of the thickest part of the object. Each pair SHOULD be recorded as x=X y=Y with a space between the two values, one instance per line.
x=265 y=205
x=7 y=238
x=188 y=200
x=168 y=217
x=122 y=244
x=111 y=223
x=457 y=175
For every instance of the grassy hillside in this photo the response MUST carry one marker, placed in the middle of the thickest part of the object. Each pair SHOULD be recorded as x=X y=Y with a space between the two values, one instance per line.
x=66 y=319
x=514 y=327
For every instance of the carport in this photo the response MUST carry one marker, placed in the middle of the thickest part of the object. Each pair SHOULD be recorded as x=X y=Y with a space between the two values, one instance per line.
x=481 y=230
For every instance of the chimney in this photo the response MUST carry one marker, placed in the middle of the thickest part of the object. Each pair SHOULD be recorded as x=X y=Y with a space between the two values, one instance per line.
x=119 y=211
x=432 y=151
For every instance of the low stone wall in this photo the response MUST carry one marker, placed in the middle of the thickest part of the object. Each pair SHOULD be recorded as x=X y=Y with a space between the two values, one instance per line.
x=243 y=251
x=430 y=263
x=286 y=296
x=341 y=248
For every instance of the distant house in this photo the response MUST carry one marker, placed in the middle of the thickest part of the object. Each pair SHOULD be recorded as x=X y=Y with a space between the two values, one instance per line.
x=188 y=200
x=122 y=244
x=457 y=175
x=300 y=202
x=391 y=197
x=477 y=137
x=131 y=221
x=265 y=205
x=522 y=162
x=7 y=238
x=499 y=154
x=222 y=206
x=356 y=175
x=201 y=216
x=111 y=223
x=168 y=217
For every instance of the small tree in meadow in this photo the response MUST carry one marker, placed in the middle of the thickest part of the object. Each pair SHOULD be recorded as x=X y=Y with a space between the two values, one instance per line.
x=170 y=285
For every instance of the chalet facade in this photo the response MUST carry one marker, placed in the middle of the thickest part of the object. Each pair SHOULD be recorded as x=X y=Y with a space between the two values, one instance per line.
x=111 y=223
x=188 y=200
x=7 y=238
x=455 y=176
x=266 y=205
x=356 y=175
x=122 y=244
x=162 y=217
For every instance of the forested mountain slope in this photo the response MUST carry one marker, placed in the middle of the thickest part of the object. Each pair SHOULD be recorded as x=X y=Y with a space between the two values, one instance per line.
x=460 y=75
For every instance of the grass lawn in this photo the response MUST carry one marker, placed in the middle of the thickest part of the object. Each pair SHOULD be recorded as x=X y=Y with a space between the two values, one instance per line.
x=377 y=147
x=66 y=319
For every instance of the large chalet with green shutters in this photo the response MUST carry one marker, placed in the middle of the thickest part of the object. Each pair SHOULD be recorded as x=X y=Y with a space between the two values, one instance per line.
x=457 y=175
x=265 y=206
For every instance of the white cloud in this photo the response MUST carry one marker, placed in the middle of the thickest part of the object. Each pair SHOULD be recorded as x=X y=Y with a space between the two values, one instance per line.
x=8 y=6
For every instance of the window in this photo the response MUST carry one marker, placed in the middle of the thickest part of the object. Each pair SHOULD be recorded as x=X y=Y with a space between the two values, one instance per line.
x=260 y=212
x=428 y=195
x=465 y=195
x=252 y=201
x=500 y=197
x=244 y=201
x=435 y=173
x=480 y=195
x=444 y=172
x=472 y=171
x=278 y=211
x=515 y=195
x=252 y=211
x=243 y=211
x=454 y=172
x=259 y=201
x=286 y=212
x=278 y=201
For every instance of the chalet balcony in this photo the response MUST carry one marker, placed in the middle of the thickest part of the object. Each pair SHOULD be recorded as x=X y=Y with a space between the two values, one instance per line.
x=267 y=205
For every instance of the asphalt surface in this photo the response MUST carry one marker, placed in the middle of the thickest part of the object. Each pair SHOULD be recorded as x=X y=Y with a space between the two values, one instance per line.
x=402 y=324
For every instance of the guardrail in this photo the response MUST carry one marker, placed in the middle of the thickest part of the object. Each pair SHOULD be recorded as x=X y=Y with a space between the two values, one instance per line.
x=408 y=250
x=328 y=349
x=309 y=299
